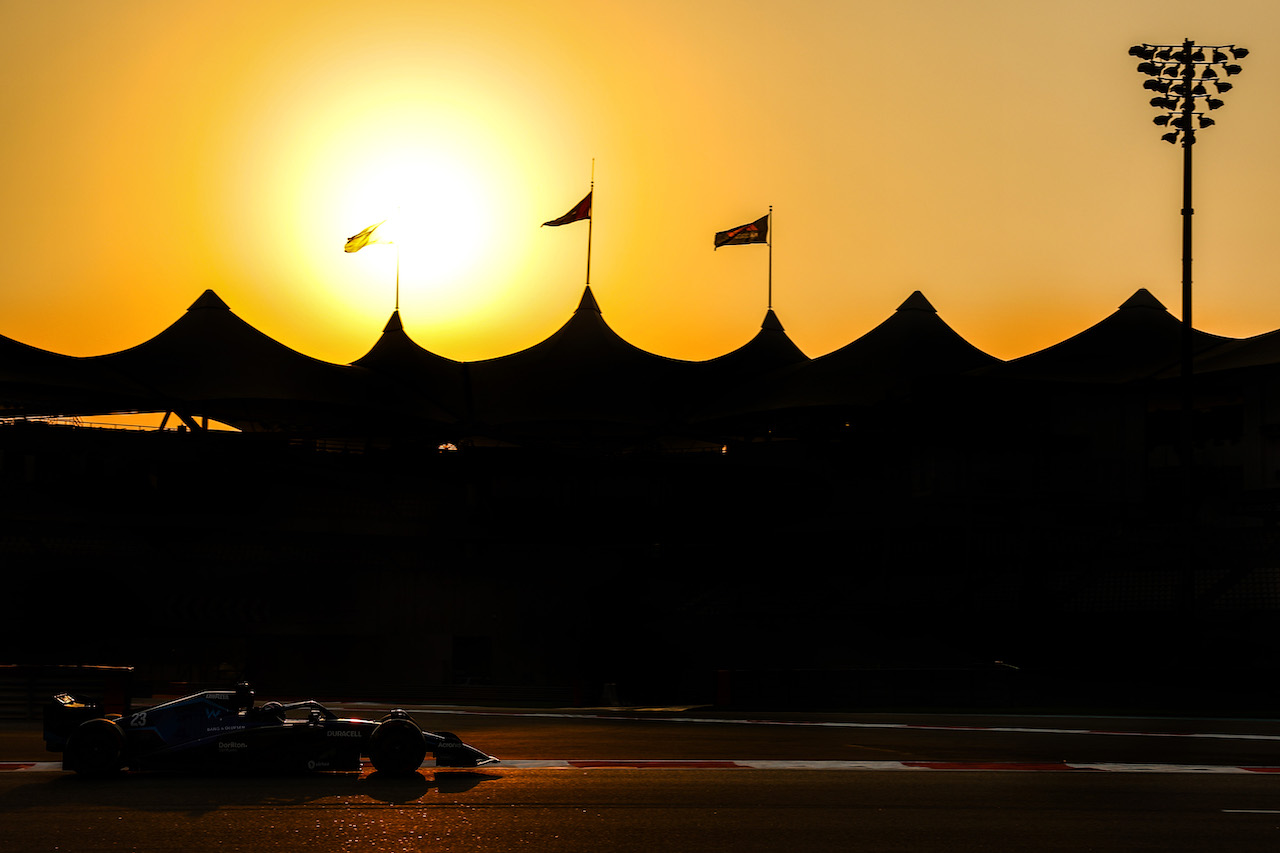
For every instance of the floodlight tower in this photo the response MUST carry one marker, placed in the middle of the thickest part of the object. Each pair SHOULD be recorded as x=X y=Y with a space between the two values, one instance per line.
x=1178 y=74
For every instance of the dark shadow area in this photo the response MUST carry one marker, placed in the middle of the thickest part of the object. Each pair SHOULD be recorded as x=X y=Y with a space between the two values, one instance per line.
x=513 y=576
x=202 y=793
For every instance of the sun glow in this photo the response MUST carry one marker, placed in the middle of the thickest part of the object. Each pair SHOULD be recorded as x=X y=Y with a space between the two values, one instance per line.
x=440 y=212
x=319 y=164
x=434 y=214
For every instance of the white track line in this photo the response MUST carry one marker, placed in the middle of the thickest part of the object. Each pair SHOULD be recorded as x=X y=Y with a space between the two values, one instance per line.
x=712 y=764
x=944 y=766
x=841 y=724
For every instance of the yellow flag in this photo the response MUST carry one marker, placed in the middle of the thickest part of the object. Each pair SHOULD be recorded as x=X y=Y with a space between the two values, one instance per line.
x=364 y=238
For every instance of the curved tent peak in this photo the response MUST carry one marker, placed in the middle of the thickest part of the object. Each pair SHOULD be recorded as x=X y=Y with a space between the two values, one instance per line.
x=771 y=322
x=1143 y=299
x=769 y=349
x=1137 y=341
x=432 y=385
x=917 y=302
x=588 y=302
x=911 y=347
x=209 y=299
x=396 y=352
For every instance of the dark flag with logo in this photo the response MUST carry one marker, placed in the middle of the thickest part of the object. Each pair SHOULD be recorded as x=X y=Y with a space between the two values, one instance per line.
x=581 y=210
x=752 y=232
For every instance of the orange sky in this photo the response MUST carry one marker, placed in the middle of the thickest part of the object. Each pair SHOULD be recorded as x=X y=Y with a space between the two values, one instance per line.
x=998 y=155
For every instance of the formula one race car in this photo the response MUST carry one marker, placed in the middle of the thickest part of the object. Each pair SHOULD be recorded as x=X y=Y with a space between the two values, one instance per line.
x=224 y=730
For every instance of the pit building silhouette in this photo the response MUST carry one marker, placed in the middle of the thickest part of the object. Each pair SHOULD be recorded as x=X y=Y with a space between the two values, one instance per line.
x=905 y=520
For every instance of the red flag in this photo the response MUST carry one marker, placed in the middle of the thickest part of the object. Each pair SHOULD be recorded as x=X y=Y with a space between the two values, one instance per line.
x=581 y=210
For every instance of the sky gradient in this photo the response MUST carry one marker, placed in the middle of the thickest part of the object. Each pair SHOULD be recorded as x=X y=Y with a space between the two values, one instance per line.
x=997 y=155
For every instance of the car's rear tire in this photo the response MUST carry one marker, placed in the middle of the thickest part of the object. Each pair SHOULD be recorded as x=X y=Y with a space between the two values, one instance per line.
x=95 y=748
x=397 y=747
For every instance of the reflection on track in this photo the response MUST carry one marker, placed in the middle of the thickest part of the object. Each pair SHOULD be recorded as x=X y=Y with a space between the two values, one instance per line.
x=198 y=794
x=648 y=805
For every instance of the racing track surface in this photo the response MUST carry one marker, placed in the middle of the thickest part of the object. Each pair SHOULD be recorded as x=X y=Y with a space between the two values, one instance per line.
x=702 y=784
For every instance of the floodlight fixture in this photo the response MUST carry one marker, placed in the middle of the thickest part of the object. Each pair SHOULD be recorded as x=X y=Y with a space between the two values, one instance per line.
x=1183 y=70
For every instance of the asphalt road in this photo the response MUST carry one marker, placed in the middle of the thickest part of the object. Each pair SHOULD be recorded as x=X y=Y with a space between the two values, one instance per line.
x=1151 y=797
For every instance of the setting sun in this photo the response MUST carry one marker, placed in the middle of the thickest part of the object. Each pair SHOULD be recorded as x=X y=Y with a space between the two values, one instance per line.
x=437 y=213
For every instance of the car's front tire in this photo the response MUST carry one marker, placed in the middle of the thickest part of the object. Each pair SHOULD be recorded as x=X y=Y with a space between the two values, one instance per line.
x=397 y=747
x=95 y=748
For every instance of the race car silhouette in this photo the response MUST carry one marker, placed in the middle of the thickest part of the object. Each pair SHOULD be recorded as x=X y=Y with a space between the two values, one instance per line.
x=225 y=730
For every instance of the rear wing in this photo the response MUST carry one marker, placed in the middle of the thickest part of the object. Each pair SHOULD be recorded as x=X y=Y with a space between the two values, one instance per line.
x=62 y=714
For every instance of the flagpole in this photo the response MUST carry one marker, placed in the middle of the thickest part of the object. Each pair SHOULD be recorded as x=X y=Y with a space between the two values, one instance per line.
x=591 y=218
x=399 y=224
x=770 y=256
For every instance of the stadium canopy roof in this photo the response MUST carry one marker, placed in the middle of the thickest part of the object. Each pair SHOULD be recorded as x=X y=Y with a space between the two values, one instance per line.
x=434 y=387
x=38 y=382
x=582 y=384
x=583 y=374
x=1260 y=352
x=769 y=350
x=912 y=345
x=1138 y=341
x=211 y=362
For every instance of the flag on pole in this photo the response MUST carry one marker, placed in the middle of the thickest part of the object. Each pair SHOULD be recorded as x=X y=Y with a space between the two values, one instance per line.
x=581 y=210
x=752 y=232
x=364 y=238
